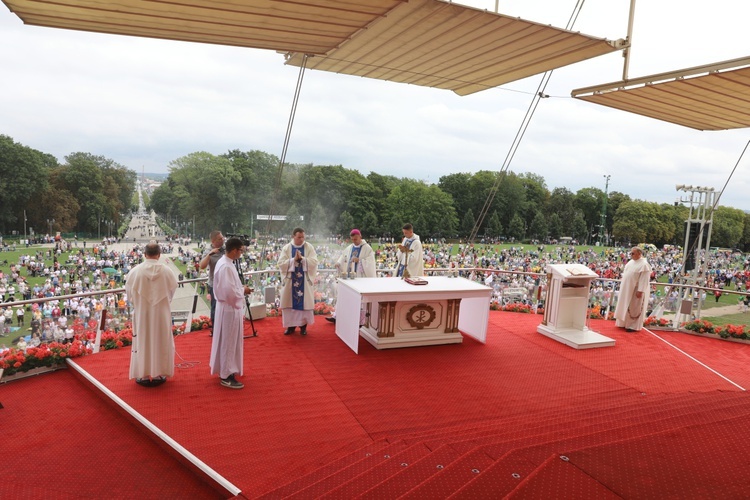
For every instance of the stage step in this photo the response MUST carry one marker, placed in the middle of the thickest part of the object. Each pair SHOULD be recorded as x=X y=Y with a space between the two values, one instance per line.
x=404 y=480
x=327 y=470
x=519 y=456
x=379 y=473
x=468 y=462
x=511 y=468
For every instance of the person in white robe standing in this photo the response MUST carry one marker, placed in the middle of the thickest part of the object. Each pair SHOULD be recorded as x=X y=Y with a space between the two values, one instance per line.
x=298 y=264
x=227 y=349
x=410 y=255
x=150 y=287
x=634 y=293
x=356 y=261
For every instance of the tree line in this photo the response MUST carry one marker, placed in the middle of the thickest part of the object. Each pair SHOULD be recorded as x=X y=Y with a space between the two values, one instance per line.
x=39 y=195
x=230 y=190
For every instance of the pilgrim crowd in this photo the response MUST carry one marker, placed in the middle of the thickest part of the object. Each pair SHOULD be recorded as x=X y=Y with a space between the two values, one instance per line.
x=70 y=268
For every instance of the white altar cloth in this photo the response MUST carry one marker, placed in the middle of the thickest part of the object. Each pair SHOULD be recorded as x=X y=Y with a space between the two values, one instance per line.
x=453 y=304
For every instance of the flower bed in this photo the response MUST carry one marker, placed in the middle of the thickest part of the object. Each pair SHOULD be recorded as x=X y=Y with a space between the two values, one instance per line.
x=729 y=332
x=322 y=308
x=199 y=323
x=54 y=354
x=45 y=355
x=654 y=322
x=699 y=326
x=596 y=312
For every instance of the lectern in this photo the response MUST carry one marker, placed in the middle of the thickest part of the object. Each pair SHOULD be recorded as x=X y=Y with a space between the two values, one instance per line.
x=566 y=305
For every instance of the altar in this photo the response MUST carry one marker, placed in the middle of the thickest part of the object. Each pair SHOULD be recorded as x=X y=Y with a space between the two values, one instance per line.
x=399 y=314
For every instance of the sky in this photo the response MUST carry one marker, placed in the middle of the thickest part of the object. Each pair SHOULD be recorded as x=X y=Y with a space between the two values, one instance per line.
x=144 y=103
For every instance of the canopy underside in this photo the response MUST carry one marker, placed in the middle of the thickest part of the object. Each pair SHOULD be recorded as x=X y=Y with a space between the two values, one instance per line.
x=423 y=42
x=434 y=43
x=712 y=97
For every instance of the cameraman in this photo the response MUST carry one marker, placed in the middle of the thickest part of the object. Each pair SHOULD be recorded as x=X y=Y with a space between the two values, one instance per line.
x=209 y=260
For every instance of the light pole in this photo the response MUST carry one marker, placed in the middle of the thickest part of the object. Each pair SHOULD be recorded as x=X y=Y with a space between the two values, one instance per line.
x=25 y=240
x=603 y=223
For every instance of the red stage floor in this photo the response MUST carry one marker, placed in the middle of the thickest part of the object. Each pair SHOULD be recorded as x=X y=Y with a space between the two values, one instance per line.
x=638 y=419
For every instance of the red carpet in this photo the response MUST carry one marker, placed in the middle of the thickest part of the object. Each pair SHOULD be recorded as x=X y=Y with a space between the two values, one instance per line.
x=470 y=420
x=63 y=441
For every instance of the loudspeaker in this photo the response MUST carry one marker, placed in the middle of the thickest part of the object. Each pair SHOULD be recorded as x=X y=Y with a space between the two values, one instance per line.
x=693 y=230
x=269 y=294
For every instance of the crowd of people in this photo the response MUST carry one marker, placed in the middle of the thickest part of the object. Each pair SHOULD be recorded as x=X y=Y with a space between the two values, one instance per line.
x=515 y=273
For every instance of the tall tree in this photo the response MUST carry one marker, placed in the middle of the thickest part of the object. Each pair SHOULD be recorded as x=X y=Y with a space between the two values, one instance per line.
x=516 y=228
x=467 y=223
x=414 y=201
x=590 y=201
x=23 y=176
x=539 y=228
x=561 y=203
x=345 y=223
x=555 y=227
x=728 y=227
x=641 y=222
x=494 y=226
x=457 y=185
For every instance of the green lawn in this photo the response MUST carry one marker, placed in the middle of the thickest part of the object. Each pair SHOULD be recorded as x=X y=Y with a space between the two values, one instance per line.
x=730 y=319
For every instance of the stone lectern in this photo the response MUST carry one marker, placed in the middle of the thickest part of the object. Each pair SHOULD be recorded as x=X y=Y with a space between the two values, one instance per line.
x=566 y=307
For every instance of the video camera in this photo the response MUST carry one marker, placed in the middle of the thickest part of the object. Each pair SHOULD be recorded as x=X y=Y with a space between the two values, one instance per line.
x=244 y=238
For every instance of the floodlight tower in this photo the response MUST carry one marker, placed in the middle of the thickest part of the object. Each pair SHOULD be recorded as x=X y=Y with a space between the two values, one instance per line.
x=700 y=201
x=603 y=223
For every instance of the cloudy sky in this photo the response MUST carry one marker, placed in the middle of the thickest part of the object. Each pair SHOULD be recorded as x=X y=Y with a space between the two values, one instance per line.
x=144 y=103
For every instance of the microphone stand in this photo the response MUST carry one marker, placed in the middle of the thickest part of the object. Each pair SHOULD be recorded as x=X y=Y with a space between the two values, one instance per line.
x=247 y=300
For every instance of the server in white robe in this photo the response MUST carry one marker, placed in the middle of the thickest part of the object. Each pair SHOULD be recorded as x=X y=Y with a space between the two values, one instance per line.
x=410 y=255
x=150 y=287
x=298 y=264
x=634 y=293
x=226 y=346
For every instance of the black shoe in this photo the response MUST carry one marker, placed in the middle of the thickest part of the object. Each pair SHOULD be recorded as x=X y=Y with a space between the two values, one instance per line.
x=151 y=382
x=332 y=319
x=232 y=383
x=629 y=330
x=289 y=331
x=303 y=330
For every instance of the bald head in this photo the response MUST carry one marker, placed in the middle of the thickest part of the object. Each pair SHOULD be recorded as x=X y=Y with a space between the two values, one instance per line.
x=153 y=250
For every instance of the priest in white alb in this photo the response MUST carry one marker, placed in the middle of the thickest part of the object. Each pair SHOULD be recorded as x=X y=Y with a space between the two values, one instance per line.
x=298 y=263
x=635 y=290
x=150 y=287
x=410 y=255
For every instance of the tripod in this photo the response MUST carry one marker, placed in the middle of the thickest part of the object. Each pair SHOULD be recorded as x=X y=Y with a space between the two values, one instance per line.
x=247 y=300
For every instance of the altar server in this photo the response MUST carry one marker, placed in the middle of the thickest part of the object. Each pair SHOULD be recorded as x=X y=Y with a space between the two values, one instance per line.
x=410 y=256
